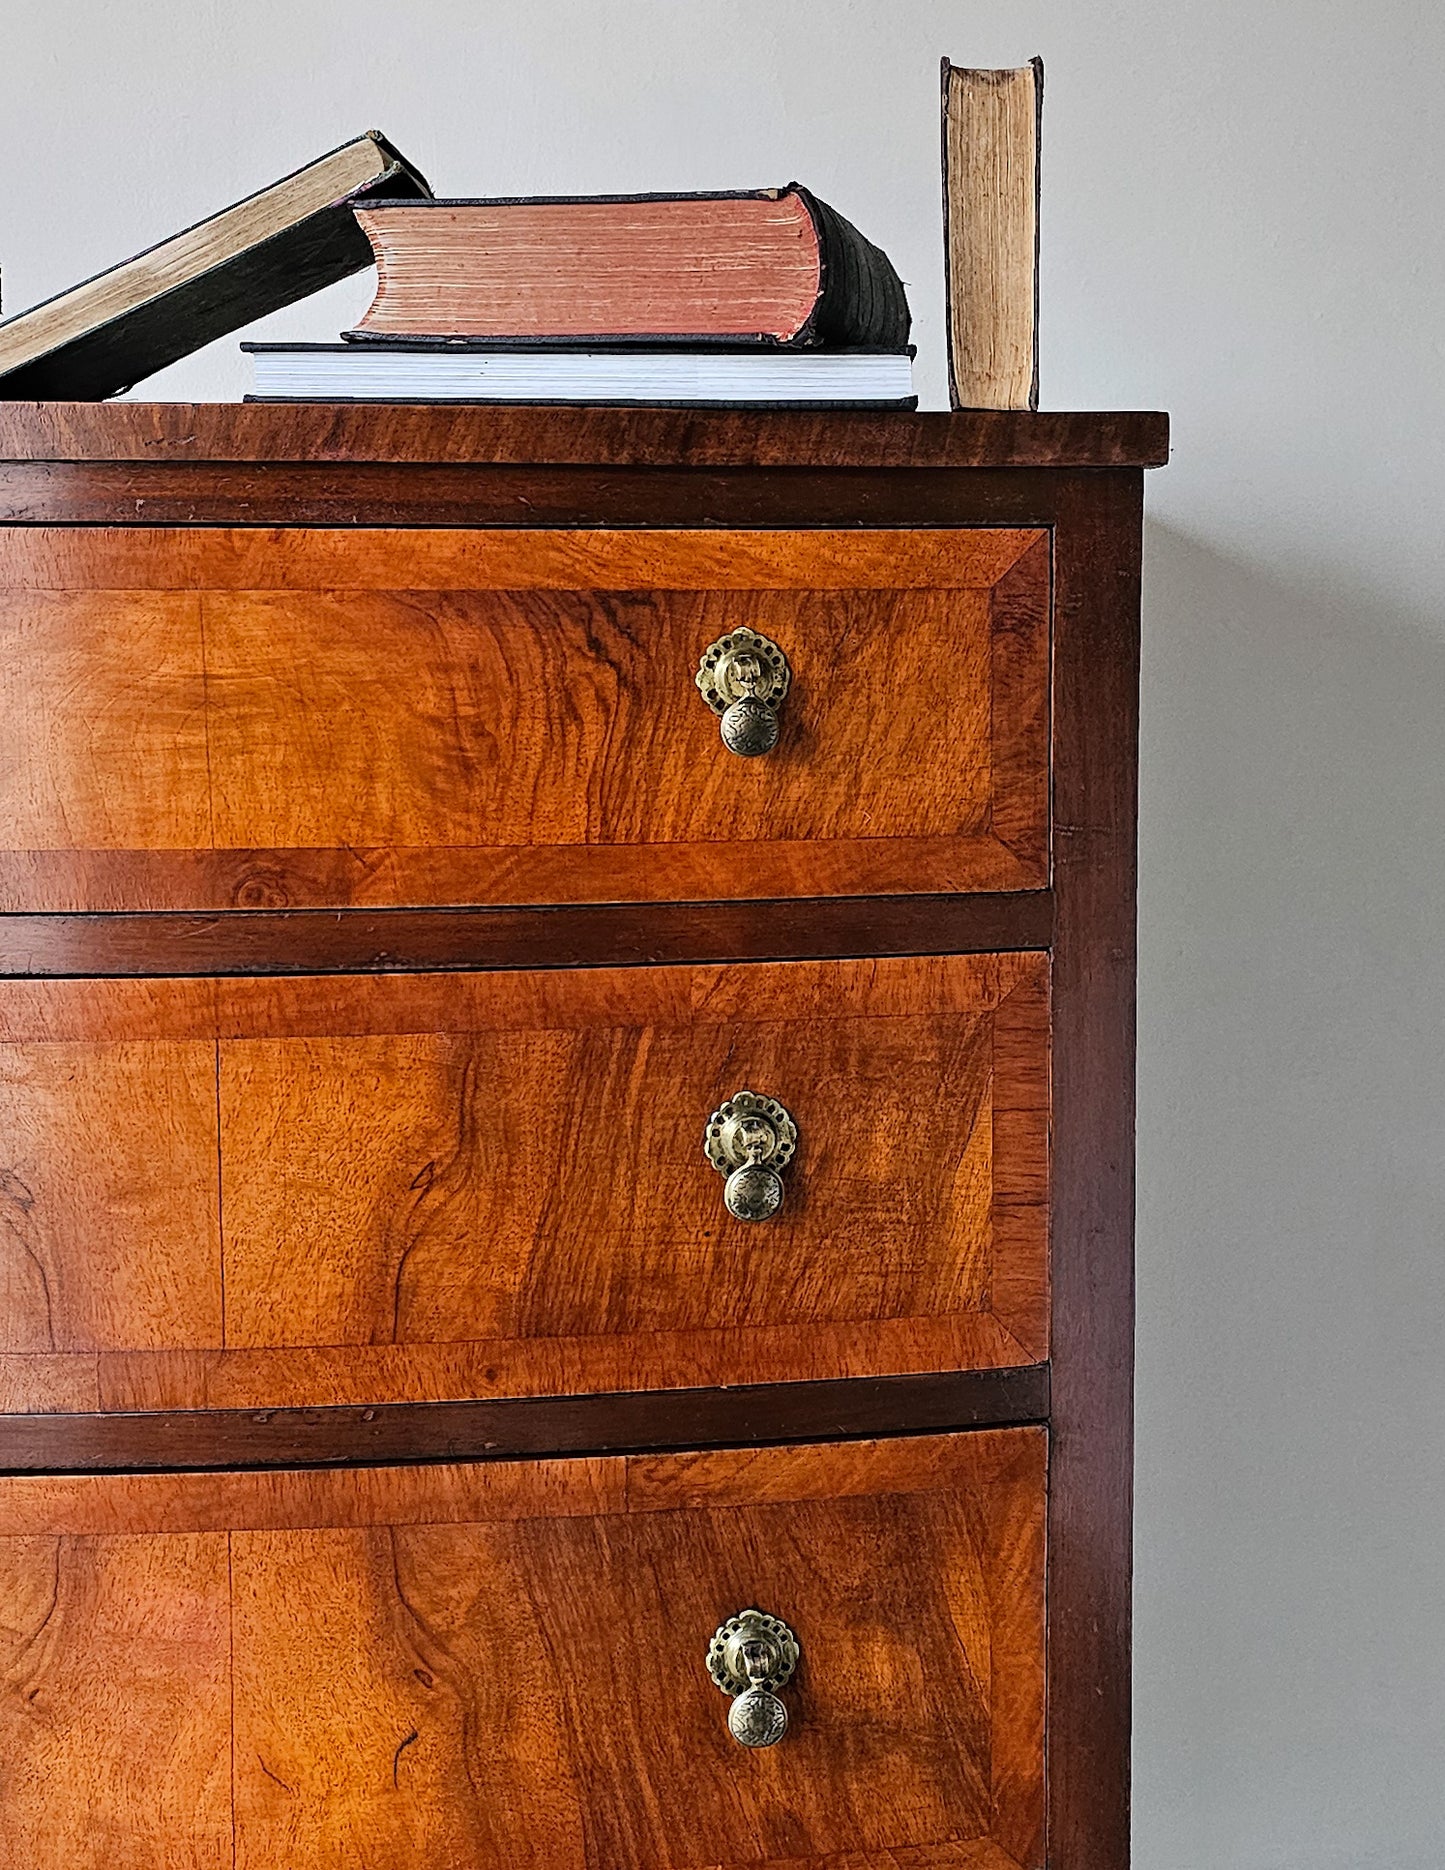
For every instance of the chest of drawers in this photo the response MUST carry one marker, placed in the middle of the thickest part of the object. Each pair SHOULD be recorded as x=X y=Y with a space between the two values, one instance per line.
x=566 y=989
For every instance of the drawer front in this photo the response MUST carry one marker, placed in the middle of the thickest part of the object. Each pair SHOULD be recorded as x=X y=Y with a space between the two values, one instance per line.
x=505 y=1665
x=217 y=719
x=409 y=1187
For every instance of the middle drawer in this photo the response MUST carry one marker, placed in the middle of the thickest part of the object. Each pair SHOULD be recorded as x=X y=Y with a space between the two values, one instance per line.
x=288 y=1192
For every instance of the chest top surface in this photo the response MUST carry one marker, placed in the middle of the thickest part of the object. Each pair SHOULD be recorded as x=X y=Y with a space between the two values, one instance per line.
x=524 y=436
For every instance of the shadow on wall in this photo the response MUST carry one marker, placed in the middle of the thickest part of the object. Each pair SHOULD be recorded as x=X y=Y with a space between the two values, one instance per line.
x=1290 y=1662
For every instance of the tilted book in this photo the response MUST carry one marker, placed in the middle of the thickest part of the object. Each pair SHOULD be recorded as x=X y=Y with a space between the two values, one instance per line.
x=263 y=253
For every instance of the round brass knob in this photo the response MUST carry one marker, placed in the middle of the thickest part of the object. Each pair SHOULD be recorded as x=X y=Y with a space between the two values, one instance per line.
x=757 y=1718
x=749 y=727
x=749 y=1140
x=750 y=1657
x=753 y=1192
x=743 y=678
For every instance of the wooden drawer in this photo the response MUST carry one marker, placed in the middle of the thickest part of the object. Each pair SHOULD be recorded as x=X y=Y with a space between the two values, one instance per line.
x=273 y=1192
x=213 y=718
x=503 y=1665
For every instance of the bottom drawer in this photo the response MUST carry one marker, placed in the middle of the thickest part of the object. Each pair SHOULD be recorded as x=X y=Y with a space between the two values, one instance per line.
x=506 y=1664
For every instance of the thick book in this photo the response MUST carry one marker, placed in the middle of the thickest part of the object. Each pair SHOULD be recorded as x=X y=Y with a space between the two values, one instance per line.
x=706 y=378
x=775 y=266
x=991 y=124
x=255 y=257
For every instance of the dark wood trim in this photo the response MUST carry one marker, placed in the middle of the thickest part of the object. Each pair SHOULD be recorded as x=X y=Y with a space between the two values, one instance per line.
x=404 y=494
x=208 y=1439
x=537 y=437
x=350 y=941
x=1096 y=668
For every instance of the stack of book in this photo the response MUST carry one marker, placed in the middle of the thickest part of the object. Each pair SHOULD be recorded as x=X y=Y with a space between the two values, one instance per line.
x=768 y=299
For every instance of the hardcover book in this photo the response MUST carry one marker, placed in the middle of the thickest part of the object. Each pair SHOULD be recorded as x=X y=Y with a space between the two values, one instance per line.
x=713 y=377
x=263 y=253
x=991 y=125
x=777 y=267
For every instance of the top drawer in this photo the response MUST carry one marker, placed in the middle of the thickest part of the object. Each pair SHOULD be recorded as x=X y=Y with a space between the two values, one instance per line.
x=215 y=718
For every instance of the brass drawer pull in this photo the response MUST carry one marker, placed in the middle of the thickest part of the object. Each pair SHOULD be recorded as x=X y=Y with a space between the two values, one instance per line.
x=750 y=1139
x=744 y=678
x=750 y=1657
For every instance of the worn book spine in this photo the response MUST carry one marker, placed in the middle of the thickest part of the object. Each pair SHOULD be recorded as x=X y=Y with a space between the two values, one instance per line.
x=861 y=301
x=325 y=247
x=991 y=123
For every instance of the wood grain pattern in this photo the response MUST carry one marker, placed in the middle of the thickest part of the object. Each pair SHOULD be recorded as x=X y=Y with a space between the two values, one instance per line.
x=637 y=438
x=223 y=882
x=602 y=1746
x=1019 y=707
x=107 y=738
x=444 y=1665
x=958 y=1854
x=48 y=1383
x=451 y=1185
x=323 y=1376
x=321 y=1006
x=1019 y=1272
x=109 y=1222
x=386 y=718
x=489 y=720
x=486 y=1492
x=93 y=1505
x=179 y=560
x=115 y=1664
x=357 y=1177
x=303 y=1376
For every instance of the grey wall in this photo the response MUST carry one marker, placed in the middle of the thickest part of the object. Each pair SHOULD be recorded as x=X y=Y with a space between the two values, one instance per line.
x=1242 y=225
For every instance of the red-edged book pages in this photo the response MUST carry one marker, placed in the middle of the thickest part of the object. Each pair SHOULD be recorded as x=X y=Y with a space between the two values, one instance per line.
x=774 y=267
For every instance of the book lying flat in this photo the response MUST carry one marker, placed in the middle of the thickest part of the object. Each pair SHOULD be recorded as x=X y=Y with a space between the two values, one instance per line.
x=477 y=373
x=265 y=252
x=774 y=267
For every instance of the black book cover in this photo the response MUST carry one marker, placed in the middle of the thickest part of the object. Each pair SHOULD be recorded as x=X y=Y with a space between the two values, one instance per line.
x=861 y=302
x=328 y=245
